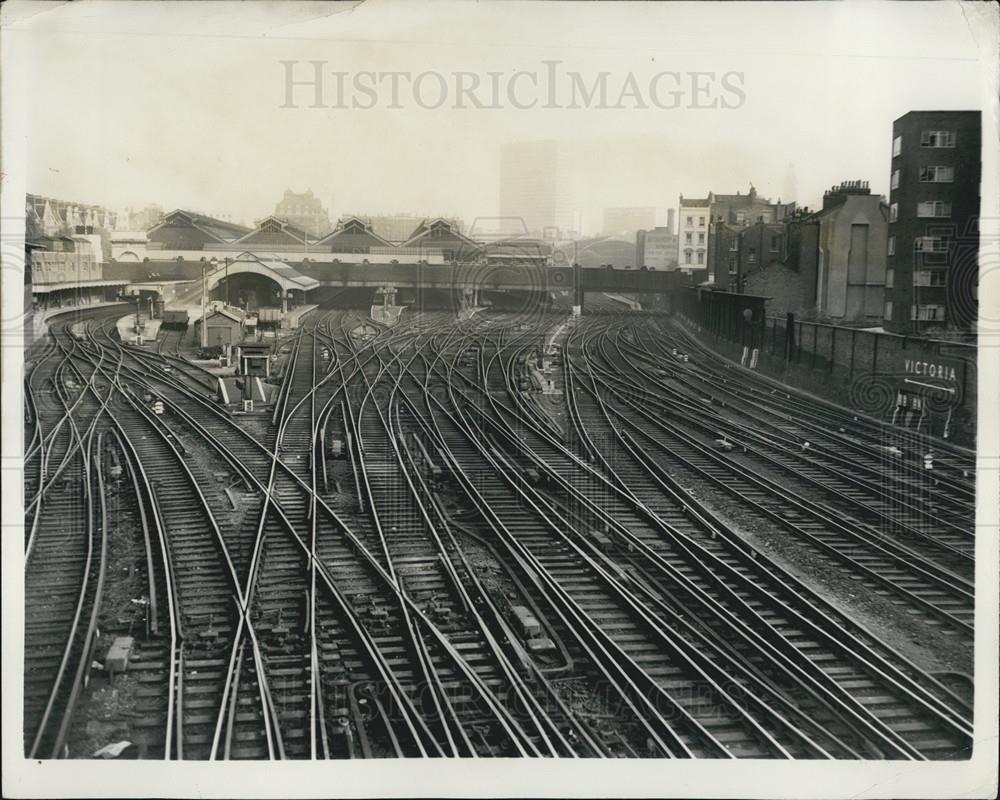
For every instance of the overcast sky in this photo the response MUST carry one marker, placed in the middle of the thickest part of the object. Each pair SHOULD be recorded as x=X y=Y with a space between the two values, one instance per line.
x=181 y=104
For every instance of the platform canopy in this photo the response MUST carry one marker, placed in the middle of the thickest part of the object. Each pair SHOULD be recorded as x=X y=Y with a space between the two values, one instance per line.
x=45 y=288
x=285 y=275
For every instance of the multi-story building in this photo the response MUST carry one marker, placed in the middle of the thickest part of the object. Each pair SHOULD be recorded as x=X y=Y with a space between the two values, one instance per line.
x=828 y=264
x=746 y=209
x=694 y=216
x=305 y=211
x=933 y=244
x=536 y=187
x=728 y=215
x=626 y=221
x=47 y=216
x=724 y=255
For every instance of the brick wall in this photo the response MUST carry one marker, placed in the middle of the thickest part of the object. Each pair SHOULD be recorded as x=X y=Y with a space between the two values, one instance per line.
x=788 y=288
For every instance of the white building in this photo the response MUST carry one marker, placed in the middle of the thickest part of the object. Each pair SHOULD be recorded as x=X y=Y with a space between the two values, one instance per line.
x=694 y=217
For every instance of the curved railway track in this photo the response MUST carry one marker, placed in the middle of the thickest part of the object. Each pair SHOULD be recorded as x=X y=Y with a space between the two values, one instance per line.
x=414 y=553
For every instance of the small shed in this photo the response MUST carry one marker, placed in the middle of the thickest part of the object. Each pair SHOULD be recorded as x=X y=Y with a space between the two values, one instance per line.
x=254 y=358
x=225 y=327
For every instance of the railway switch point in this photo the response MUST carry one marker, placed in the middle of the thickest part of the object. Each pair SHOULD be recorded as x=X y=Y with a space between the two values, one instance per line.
x=583 y=534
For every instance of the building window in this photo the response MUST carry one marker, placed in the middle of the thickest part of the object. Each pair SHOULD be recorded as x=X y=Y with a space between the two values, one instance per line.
x=775 y=244
x=741 y=217
x=752 y=255
x=897 y=146
x=893 y=212
x=927 y=313
x=890 y=278
x=701 y=238
x=894 y=183
x=687 y=238
x=734 y=245
x=892 y=245
x=937 y=139
x=701 y=256
x=934 y=208
x=687 y=257
x=937 y=174
x=930 y=244
x=887 y=312
x=930 y=277
x=732 y=265
x=690 y=222
x=701 y=222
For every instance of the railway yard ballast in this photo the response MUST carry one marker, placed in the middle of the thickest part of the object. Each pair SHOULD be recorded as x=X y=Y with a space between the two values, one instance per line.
x=505 y=533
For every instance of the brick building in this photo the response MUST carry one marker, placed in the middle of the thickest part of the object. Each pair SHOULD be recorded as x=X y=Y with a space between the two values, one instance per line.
x=710 y=228
x=828 y=264
x=745 y=209
x=933 y=243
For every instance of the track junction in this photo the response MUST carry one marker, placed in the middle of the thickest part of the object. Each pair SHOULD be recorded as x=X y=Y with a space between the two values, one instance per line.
x=510 y=535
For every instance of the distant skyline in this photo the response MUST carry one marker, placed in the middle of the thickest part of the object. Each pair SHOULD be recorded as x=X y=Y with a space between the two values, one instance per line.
x=190 y=117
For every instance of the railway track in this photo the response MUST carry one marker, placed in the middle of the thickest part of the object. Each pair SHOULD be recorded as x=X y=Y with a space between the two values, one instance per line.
x=415 y=553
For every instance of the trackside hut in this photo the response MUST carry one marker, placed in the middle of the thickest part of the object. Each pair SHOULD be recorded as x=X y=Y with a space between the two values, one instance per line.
x=224 y=327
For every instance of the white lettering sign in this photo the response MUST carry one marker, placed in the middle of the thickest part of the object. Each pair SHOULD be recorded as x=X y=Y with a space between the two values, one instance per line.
x=930 y=369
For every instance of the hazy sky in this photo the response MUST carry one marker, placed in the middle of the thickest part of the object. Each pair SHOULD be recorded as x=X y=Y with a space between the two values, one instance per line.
x=181 y=104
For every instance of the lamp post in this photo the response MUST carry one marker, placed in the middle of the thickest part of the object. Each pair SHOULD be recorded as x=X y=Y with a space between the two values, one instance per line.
x=204 y=304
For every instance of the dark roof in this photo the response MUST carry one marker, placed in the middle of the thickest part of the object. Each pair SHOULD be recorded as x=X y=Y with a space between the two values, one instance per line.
x=694 y=201
x=354 y=232
x=236 y=315
x=275 y=226
x=220 y=229
x=429 y=225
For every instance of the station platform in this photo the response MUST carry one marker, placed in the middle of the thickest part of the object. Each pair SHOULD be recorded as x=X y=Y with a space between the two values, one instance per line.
x=295 y=315
x=126 y=329
x=37 y=320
